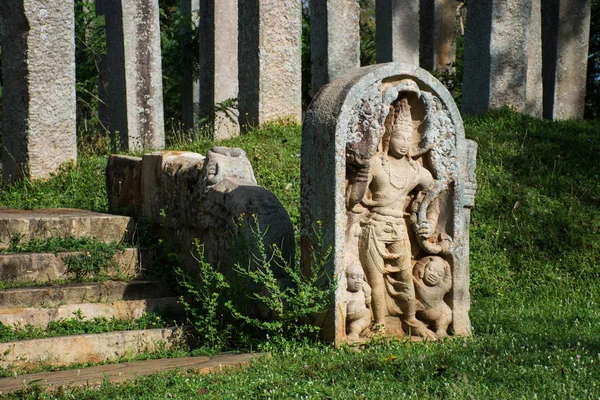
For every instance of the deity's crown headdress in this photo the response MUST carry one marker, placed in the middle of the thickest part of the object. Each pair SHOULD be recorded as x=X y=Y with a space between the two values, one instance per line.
x=402 y=116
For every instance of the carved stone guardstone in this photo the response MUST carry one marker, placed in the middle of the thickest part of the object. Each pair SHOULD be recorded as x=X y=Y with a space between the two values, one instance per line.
x=389 y=179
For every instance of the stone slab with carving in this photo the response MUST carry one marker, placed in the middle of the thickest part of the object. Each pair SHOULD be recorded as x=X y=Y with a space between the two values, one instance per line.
x=197 y=197
x=389 y=178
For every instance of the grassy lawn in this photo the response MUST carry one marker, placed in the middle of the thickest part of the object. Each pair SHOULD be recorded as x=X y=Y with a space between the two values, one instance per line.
x=535 y=279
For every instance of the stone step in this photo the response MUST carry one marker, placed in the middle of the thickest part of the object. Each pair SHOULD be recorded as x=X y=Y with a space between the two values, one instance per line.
x=76 y=293
x=92 y=348
x=44 y=267
x=121 y=309
x=116 y=373
x=62 y=222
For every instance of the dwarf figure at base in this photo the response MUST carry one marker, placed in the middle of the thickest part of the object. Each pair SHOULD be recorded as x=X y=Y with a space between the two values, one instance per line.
x=433 y=279
x=358 y=303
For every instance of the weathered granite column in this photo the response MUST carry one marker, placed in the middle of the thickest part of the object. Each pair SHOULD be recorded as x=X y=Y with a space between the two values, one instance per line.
x=496 y=56
x=269 y=52
x=130 y=86
x=190 y=87
x=218 y=65
x=397 y=34
x=566 y=28
x=334 y=39
x=438 y=35
x=534 y=103
x=38 y=72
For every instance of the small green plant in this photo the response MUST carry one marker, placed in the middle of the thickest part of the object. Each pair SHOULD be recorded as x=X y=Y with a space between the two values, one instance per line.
x=292 y=302
x=207 y=293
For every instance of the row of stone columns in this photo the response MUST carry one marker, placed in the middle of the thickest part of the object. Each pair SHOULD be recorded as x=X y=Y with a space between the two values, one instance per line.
x=520 y=52
x=251 y=51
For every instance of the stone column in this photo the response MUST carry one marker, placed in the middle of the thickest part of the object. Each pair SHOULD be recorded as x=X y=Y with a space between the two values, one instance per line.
x=397 y=33
x=219 y=65
x=334 y=39
x=496 y=55
x=130 y=85
x=190 y=87
x=534 y=103
x=566 y=29
x=38 y=72
x=269 y=51
x=438 y=35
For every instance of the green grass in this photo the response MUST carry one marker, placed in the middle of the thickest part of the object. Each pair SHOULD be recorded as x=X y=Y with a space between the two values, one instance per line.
x=75 y=186
x=535 y=285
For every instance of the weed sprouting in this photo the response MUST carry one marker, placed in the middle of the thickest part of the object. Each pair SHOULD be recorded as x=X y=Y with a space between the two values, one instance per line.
x=207 y=291
x=279 y=302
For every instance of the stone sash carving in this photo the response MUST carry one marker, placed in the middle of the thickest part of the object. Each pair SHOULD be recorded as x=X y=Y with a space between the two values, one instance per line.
x=388 y=174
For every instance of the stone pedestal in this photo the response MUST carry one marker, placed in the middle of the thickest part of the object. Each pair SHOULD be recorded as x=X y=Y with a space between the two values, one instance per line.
x=335 y=39
x=566 y=28
x=269 y=51
x=219 y=65
x=388 y=180
x=438 y=35
x=38 y=99
x=397 y=34
x=496 y=56
x=130 y=85
x=190 y=87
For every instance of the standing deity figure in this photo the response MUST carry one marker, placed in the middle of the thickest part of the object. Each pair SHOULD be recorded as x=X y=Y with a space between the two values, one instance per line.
x=384 y=245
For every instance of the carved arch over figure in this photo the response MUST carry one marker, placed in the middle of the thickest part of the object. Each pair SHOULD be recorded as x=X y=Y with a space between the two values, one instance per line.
x=375 y=207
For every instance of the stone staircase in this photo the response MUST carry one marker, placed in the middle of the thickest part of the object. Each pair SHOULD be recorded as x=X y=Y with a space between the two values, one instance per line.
x=44 y=291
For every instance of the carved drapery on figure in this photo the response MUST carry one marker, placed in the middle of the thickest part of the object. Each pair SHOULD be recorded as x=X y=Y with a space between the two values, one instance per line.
x=402 y=258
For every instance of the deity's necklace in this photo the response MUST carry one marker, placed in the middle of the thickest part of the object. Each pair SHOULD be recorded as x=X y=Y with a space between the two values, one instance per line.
x=394 y=178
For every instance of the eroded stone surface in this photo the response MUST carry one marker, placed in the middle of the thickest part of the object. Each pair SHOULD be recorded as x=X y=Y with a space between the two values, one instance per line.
x=566 y=25
x=397 y=31
x=219 y=65
x=335 y=39
x=62 y=222
x=269 y=51
x=83 y=349
x=496 y=55
x=130 y=86
x=389 y=177
x=209 y=199
x=438 y=37
x=38 y=98
x=44 y=267
x=120 y=310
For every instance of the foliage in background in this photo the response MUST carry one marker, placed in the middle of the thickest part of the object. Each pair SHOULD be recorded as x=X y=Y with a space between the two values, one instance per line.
x=368 y=48
x=180 y=51
x=307 y=93
x=90 y=47
x=592 y=95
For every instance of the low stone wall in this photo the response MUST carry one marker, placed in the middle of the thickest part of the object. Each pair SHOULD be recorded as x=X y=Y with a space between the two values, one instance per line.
x=207 y=198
